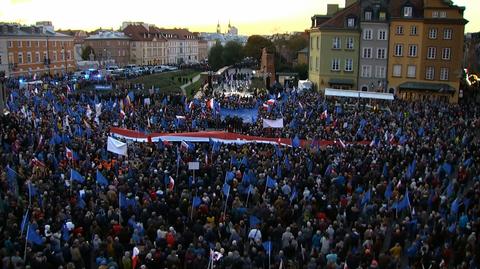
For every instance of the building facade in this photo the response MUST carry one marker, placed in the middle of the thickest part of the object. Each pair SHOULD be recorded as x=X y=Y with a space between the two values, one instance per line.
x=412 y=48
x=35 y=50
x=373 y=46
x=427 y=50
x=182 y=46
x=147 y=46
x=110 y=46
x=334 y=48
x=202 y=50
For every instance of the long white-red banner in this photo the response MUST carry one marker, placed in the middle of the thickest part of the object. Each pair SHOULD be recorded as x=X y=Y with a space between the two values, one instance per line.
x=217 y=136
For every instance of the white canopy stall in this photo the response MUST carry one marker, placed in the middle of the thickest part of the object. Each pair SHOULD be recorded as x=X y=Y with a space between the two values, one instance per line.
x=359 y=94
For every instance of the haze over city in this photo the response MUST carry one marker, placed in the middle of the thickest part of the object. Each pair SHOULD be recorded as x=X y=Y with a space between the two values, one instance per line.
x=249 y=16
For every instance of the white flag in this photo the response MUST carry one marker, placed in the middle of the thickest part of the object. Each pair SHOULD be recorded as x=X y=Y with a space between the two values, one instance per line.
x=278 y=123
x=115 y=146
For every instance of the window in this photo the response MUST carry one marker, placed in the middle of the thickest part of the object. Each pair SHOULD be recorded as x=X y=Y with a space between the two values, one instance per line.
x=336 y=43
x=446 y=54
x=335 y=65
x=380 y=72
x=20 y=58
x=430 y=73
x=367 y=34
x=382 y=53
x=349 y=65
x=399 y=30
x=447 y=34
x=37 y=57
x=366 y=71
x=350 y=43
x=69 y=55
x=54 y=56
x=432 y=33
x=368 y=15
x=398 y=50
x=367 y=53
x=434 y=14
x=382 y=34
x=44 y=56
x=29 y=57
x=412 y=71
x=413 y=30
x=407 y=12
x=351 y=22
x=29 y=44
x=443 y=73
x=38 y=44
x=317 y=63
x=397 y=70
x=62 y=54
x=382 y=16
x=10 y=44
x=443 y=14
x=318 y=42
x=412 y=50
x=431 y=53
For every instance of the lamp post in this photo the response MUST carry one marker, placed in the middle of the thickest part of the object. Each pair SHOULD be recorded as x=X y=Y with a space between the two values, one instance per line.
x=65 y=58
x=2 y=91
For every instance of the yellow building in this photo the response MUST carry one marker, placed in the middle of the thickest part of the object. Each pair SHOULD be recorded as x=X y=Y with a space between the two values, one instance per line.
x=426 y=49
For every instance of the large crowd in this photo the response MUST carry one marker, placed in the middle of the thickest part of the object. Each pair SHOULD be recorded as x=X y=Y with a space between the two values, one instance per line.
x=408 y=197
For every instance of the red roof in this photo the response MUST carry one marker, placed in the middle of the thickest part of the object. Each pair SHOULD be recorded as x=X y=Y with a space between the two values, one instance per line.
x=339 y=19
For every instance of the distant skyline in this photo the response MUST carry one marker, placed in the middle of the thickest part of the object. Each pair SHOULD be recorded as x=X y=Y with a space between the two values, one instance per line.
x=249 y=16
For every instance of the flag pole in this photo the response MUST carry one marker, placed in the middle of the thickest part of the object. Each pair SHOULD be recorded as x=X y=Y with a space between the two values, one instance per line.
x=248 y=196
x=26 y=241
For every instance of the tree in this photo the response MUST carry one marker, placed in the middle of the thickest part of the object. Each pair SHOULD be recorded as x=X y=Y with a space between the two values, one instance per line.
x=86 y=53
x=215 y=56
x=255 y=44
x=302 y=70
x=232 y=53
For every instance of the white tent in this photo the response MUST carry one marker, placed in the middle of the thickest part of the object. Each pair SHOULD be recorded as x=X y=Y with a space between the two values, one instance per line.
x=358 y=94
x=305 y=85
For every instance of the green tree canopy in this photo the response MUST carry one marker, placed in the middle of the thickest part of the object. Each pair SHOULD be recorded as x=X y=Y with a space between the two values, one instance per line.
x=215 y=56
x=86 y=53
x=232 y=53
x=255 y=44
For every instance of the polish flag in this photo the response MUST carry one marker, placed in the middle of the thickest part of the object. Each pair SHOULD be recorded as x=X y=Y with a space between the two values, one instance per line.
x=135 y=252
x=69 y=90
x=211 y=103
x=265 y=106
x=191 y=105
x=271 y=102
x=324 y=115
x=68 y=153
x=171 y=185
x=184 y=145
x=37 y=162
x=122 y=114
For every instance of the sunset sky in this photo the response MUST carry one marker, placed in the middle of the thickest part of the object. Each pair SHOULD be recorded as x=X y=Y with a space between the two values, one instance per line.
x=250 y=16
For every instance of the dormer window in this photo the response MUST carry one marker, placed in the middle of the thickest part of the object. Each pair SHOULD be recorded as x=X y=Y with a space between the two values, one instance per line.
x=382 y=16
x=407 y=12
x=351 y=22
x=368 y=15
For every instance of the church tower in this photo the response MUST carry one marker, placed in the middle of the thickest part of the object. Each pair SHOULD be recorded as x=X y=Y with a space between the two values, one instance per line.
x=218 y=28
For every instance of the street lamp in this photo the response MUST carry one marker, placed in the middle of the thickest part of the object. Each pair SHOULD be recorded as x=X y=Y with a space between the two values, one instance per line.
x=64 y=59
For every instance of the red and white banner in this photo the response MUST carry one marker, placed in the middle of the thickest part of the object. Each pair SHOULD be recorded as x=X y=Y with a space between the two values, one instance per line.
x=217 y=136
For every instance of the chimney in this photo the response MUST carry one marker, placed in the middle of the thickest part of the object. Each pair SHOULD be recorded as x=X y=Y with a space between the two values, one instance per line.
x=349 y=2
x=332 y=9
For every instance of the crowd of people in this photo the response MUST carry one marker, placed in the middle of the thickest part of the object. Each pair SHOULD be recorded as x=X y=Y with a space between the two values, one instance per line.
x=408 y=197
